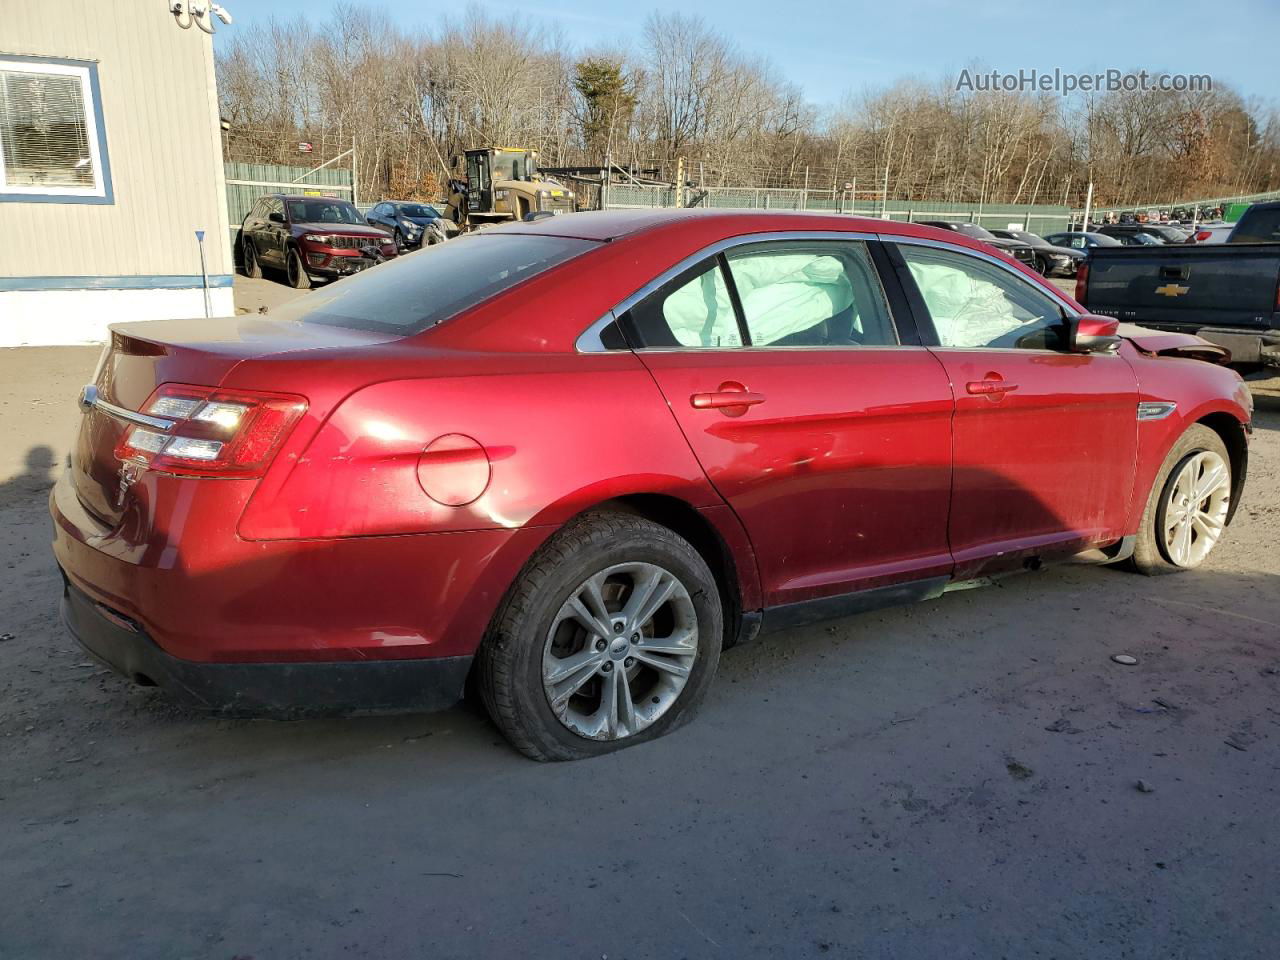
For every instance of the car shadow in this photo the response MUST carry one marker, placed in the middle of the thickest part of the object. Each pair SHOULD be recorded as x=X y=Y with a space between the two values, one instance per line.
x=781 y=662
x=38 y=474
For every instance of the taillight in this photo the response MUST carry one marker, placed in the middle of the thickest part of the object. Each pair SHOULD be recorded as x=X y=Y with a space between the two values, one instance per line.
x=1202 y=235
x=215 y=433
x=1082 y=281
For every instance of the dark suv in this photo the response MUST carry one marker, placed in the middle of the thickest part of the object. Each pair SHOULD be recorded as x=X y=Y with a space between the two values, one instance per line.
x=412 y=224
x=310 y=236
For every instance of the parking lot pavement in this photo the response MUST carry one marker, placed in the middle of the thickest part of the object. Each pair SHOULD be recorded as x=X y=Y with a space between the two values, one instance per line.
x=264 y=293
x=955 y=779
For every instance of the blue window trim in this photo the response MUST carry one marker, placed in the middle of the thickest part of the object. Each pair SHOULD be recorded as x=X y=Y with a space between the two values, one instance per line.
x=95 y=93
x=133 y=282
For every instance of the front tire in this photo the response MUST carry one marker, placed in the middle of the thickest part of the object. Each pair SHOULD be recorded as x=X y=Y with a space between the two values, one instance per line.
x=296 y=271
x=610 y=637
x=249 y=258
x=1187 y=508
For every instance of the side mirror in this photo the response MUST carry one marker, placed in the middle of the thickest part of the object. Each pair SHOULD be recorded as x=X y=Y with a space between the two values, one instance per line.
x=275 y=217
x=1090 y=333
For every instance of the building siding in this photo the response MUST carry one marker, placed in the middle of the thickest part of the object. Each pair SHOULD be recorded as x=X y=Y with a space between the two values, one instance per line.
x=160 y=113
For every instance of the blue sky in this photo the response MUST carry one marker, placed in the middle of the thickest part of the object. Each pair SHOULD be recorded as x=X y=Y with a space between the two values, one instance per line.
x=851 y=45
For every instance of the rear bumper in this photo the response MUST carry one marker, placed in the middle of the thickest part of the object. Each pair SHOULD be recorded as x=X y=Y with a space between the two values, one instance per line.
x=1246 y=346
x=175 y=566
x=282 y=690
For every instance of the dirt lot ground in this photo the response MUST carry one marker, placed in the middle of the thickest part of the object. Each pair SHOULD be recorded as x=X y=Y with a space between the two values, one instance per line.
x=956 y=779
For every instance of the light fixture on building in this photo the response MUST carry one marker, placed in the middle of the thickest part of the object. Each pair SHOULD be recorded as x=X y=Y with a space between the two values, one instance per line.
x=197 y=12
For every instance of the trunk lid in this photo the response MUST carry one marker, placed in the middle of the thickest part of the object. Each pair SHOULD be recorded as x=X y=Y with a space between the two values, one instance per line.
x=142 y=356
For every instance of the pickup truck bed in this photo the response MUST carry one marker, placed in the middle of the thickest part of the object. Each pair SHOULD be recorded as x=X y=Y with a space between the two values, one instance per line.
x=1229 y=294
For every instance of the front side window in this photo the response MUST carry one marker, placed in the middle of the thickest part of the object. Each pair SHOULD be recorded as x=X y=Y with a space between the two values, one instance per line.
x=974 y=303
x=819 y=294
x=50 y=142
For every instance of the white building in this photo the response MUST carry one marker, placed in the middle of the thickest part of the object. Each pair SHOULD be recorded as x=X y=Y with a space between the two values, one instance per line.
x=110 y=162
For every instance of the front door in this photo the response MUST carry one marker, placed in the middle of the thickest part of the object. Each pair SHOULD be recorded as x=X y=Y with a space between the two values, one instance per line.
x=828 y=436
x=1045 y=439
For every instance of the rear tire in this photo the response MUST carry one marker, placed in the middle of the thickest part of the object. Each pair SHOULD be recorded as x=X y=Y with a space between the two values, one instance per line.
x=249 y=259
x=538 y=650
x=1193 y=485
x=296 y=271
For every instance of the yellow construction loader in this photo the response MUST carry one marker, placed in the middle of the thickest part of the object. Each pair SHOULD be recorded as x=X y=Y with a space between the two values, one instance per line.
x=498 y=184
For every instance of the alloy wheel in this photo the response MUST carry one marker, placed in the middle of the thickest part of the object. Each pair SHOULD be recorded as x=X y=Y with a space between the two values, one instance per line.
x=619 y=651
x=1195 y=508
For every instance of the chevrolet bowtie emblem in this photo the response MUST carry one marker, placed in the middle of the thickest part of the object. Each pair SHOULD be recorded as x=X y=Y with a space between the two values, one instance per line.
x=1172 y=290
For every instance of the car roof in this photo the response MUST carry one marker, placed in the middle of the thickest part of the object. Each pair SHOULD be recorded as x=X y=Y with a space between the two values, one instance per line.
x=307 y=196
x=611 y=225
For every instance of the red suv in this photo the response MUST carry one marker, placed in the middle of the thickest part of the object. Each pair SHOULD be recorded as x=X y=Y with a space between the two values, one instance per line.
x=581 y=456
x=310 y=236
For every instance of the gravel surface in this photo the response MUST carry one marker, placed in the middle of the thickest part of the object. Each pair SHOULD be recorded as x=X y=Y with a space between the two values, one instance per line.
x=971 y=777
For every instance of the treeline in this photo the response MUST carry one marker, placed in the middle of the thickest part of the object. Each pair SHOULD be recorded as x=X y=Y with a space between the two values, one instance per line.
x=409 y=101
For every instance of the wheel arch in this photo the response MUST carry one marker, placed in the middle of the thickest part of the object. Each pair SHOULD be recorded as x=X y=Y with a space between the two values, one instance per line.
x=720 y=541
x=1232 y=432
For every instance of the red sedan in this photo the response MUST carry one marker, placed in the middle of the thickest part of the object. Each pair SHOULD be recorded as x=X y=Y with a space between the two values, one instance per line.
x=578 y=458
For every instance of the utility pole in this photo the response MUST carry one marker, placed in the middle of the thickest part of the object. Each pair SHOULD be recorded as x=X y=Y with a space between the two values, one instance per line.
x=680 y=182
x=355 y=193
x=1088 y=205
x=884 y=190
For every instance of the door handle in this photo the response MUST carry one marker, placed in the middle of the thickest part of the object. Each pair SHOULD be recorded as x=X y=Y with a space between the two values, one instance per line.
x=729 y=394
x=990 y=387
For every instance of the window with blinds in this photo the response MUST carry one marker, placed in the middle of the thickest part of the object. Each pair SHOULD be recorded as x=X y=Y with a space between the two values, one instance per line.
x=48 y=136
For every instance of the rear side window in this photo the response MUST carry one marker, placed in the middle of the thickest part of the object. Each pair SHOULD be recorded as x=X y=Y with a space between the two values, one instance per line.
x=1261 y=226
x=784 y=293
x=824 y=294
x=418 y=290
x=692 y=310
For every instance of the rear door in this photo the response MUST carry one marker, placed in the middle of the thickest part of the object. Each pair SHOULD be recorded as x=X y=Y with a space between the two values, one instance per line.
x=822 y=423
x=1045 y=439
x=275 y=233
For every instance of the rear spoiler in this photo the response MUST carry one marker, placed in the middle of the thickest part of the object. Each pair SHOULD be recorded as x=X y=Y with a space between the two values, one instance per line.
x=1163 y=343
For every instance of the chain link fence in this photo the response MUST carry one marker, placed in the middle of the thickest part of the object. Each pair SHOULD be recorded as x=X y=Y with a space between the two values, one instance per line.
x=1038 y=218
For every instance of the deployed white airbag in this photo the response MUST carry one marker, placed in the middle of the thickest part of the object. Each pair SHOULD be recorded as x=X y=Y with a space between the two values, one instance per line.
x=967 y=310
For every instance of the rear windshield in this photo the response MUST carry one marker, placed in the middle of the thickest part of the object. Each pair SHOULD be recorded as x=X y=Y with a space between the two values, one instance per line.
x=418 y=290
x=1258 y=226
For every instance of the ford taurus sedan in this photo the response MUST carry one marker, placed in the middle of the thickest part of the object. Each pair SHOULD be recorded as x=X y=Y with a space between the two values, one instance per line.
x=571 y=461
